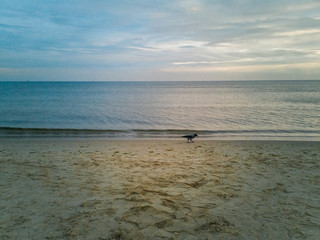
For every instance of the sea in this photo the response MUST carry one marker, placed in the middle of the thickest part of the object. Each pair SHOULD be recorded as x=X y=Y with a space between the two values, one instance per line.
x=239 y=110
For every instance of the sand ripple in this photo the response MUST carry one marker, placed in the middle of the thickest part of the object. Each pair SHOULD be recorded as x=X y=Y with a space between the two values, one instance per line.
x=159 y=190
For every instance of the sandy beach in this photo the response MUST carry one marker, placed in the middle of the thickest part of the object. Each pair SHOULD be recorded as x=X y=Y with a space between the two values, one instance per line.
x=158 y=189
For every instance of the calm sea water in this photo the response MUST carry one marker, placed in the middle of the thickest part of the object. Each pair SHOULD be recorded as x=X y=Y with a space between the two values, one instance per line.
x=239 y=110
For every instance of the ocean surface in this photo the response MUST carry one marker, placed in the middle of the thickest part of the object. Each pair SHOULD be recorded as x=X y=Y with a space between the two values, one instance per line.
x=287 y=110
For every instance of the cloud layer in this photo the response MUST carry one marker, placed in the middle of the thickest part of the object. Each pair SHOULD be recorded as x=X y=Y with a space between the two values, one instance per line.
x=159 y=40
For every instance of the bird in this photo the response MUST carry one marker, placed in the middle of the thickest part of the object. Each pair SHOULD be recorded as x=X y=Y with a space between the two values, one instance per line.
x=190 y=137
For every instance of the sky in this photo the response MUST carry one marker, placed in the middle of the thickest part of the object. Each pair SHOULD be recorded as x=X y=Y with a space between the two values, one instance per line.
x=159 y=40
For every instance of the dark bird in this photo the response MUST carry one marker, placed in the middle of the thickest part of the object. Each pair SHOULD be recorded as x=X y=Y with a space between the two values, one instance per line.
x=190 y=137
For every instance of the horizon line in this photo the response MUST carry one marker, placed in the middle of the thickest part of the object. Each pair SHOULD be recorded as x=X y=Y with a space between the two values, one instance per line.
x=240 y=80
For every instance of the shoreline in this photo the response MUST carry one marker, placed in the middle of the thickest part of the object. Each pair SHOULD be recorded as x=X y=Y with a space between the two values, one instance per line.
x=157 y=134
x=159 y=189
x=163 y=139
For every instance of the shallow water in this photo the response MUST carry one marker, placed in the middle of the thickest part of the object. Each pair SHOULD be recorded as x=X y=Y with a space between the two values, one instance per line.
x=246 y=109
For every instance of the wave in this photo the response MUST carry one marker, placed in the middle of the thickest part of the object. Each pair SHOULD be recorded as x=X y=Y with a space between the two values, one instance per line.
x=15 y=132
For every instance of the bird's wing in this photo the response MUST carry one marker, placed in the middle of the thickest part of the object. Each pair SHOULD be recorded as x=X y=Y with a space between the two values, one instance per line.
x=187 y=136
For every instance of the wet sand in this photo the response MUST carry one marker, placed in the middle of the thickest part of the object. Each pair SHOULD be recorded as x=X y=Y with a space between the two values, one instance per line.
x=150 y=189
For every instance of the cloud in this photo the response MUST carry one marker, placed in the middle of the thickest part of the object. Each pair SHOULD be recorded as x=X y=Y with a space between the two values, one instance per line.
x=171 y=46
x=298 y=33
x=132 y=37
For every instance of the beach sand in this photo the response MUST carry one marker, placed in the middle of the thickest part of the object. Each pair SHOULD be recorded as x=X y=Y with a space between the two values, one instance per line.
x=150 y=189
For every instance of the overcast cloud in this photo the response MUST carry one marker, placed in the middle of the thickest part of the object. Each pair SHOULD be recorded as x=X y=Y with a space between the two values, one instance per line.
x=159 y=40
